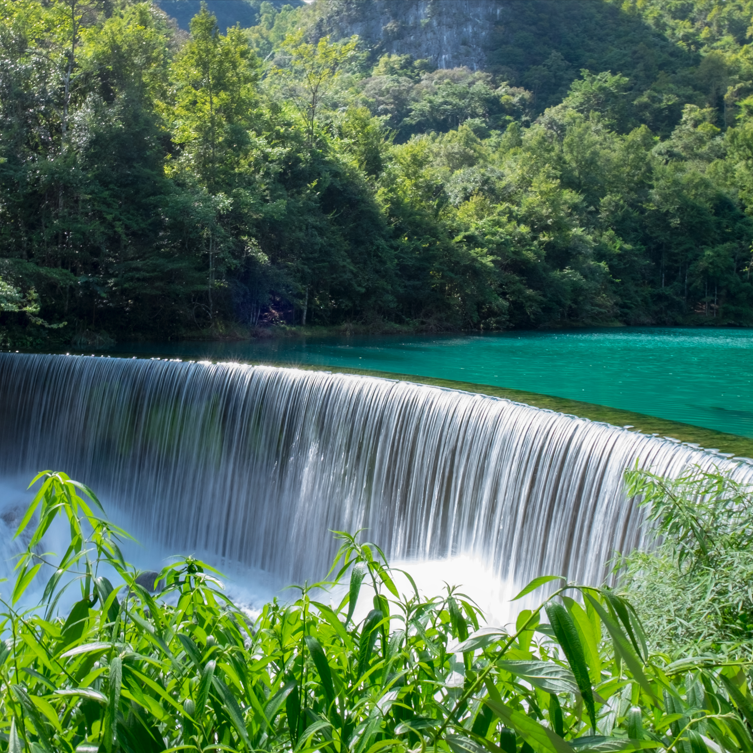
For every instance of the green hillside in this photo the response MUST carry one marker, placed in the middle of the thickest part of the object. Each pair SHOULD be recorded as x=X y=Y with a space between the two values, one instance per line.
x=672 y=52
x=228 y=12
x=598 y=171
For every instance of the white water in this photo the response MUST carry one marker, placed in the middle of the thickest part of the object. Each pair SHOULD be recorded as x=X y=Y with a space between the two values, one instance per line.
x=254 y=466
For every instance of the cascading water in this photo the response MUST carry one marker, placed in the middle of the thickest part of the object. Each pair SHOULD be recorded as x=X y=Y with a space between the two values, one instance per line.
x=257 y=465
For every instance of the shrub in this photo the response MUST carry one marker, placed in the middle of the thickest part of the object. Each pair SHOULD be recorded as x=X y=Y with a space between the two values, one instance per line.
x=187 y=670
x=694 y=591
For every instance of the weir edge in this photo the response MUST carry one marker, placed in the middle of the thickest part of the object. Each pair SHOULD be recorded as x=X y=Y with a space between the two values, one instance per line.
x=707 y=439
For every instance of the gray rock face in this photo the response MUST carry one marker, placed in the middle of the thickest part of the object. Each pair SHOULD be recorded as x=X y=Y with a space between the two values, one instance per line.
x=450 y=33
x=150 y=581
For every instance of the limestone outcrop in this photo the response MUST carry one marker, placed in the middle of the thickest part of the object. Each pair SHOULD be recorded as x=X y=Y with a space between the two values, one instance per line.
x=450 y=33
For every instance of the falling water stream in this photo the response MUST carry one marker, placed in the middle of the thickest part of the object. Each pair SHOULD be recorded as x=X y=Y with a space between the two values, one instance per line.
x=257 y=465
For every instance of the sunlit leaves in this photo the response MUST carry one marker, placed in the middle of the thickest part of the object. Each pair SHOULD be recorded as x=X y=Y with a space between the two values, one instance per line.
x=702 y=565
x=127 y=671
x=311 y=71
x=567 y=636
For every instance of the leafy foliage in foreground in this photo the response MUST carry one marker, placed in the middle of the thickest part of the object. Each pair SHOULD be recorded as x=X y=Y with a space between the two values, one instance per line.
x=693 y=591
x=127 y=671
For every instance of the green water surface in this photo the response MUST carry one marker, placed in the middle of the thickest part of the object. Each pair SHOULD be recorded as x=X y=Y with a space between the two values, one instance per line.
x=698 y=377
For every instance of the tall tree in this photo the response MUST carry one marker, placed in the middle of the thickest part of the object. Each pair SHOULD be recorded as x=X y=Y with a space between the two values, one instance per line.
x=214 y=79
x=311 y=73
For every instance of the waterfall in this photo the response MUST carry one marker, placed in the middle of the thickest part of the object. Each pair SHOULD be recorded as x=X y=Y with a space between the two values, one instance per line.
x=257 y=465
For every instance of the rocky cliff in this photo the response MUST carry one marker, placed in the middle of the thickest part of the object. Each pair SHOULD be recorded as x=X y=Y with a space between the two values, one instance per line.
x=450 y=33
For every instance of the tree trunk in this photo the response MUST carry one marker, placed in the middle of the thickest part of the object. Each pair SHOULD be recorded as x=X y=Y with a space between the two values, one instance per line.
x=213 y=137
x=686 y=285
x=305 y=307
x=64 y=118
x=211 y=277
x=69 y=70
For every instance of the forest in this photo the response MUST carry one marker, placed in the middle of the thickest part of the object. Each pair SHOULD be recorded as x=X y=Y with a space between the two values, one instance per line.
x=158 y=184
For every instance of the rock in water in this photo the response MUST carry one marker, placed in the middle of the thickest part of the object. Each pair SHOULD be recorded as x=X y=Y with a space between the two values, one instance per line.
x=150 y=581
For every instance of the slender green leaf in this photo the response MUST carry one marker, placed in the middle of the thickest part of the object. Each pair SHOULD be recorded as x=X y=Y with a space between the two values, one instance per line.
x=32 y=713
x=150 y=631
x=86 y=648
x=369 y=635
x=312 y=730
x=205 y=684
x=464 y=745
x=330 y=616
x=38 y=497
x=742 y=702
x=459 y=625
x=567 y=636
x=480 y=639
x=537 y=583
x=322 y=667
x=75 y=624
x=697 y=743
x=115 y=677
x=4 y=652
x=416 y=724
x=508 y=740
x=635 y=723
x=24 y=579
x=232 y=708
x=356 y=579
x=275 y=703
x=600 y=744
x=538 y=737
x=622 y=611
x=545 y=675
x=14 y=742
x=556 y=719
x=589 y=639
x=622 y=645
x=46 y=709
x=387 y=580
x=94 y=695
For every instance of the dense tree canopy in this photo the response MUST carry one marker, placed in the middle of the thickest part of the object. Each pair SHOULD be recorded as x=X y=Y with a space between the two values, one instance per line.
x=153 y=184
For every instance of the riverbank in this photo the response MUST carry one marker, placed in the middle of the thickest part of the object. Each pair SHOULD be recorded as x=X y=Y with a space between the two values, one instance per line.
x=235 y=333
x=39 y=340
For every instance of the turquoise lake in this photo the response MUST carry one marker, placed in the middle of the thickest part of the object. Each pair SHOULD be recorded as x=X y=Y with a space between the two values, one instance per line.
x=699 y=377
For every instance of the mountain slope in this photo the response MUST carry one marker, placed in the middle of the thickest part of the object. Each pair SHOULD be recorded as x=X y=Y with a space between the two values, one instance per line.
x=541 y=45
x=228 y=12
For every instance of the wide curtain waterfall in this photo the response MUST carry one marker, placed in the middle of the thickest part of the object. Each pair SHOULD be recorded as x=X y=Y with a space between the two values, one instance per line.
x=257 y=465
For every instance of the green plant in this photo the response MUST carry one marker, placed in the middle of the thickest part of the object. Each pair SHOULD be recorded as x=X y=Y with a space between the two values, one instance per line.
x=188 y=670
x=693 y=589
